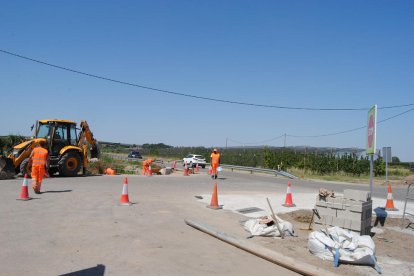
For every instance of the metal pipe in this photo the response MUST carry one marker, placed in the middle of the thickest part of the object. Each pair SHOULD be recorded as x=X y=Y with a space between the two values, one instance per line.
x=262 y=252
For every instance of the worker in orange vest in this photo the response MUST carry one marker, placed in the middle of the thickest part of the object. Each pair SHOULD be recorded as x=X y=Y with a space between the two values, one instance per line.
x=215 y=163
x=39 y=161
x=145 y=166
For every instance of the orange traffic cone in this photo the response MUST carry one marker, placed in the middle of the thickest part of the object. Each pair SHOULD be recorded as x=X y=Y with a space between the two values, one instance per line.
x=149 y=171
x=174 y=165
x=197 y=168
x=24 y=194
x=390 y=202
x=185 y=169
x=214 y=199
x=124 y=197
x=210 y=170
x=288 y=200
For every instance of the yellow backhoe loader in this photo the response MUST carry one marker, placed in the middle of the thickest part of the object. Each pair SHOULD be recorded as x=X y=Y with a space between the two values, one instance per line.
x=68 y=148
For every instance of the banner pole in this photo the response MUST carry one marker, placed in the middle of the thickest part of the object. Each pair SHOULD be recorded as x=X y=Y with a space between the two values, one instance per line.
x=371 y=172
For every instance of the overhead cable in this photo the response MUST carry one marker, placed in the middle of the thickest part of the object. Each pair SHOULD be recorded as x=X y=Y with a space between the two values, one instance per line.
x=334 y=133
x=195 y=96
x=255 y=143
x=350 y=130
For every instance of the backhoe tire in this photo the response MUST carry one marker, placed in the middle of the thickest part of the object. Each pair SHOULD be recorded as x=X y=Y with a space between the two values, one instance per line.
x=25 y=169
x=70 y=164
x=53 y=171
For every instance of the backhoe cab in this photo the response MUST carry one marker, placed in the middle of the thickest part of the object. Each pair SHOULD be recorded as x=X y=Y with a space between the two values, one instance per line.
x=68 y=149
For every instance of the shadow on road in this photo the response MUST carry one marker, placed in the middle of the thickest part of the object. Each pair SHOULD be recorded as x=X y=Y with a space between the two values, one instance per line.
x=98 y=270
x=63 y=191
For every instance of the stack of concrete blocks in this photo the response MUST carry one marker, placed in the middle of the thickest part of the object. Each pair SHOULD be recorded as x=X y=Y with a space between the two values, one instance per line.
x=352 y=211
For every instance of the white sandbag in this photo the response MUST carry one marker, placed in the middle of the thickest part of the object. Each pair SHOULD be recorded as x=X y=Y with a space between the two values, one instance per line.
x=262 y=229
x=353 y=248
x=321 y=246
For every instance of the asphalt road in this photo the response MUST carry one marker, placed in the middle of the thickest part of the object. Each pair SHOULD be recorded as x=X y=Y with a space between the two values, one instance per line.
x=77 y=226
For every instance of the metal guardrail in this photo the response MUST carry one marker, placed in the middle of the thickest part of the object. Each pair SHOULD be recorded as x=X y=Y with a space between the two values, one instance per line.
x=254 y=169
x=232 y=167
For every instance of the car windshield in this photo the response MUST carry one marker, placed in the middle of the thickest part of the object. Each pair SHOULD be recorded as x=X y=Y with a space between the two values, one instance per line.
x=199 y=156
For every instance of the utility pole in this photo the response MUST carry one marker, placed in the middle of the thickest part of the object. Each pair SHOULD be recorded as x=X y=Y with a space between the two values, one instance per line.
x=284 y=144
x=226 y=142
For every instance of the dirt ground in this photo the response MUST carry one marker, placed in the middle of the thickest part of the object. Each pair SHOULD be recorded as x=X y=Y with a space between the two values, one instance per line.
x=394 y=249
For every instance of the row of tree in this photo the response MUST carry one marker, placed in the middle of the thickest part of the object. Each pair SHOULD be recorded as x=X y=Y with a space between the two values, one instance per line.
x=323 y=163
x=312 y=160
x=327 y=162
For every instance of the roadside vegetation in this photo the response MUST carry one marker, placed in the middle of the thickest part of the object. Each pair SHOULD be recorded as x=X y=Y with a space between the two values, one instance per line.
x=304 y=162
x=121 y=166
x=313 y=163
x=7 y=143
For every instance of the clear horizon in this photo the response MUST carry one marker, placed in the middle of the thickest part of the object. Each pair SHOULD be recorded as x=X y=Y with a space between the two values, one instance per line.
x=301 y=54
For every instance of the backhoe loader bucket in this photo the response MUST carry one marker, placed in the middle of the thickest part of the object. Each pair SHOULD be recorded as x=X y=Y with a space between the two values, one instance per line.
x=6 y=168
x=95 y=151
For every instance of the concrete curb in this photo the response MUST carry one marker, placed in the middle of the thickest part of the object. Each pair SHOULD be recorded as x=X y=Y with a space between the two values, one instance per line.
x=262 y=252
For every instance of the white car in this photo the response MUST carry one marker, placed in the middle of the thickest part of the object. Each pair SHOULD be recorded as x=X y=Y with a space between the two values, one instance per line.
x=194 y=159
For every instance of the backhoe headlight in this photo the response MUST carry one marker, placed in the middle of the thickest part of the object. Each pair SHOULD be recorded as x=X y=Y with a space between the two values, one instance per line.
x=17 y=152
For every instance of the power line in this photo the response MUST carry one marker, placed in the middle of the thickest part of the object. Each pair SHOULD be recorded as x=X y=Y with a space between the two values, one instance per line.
x=328 y=134
x=194 y=96
x=351 y=130
x=334 y=133
x=255 y=143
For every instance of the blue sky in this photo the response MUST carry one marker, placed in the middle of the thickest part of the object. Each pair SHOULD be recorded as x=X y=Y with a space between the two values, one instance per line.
x=317 y=54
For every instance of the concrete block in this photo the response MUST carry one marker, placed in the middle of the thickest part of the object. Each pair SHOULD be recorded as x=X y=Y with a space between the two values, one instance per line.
x=330 y=199
x=356 y=225
x=346 y=203
x=356 y=208
x=326 y=211
x=321 y=203
x=340 y=222
x=324 y=219
x=349 y=215
x=328 y=220
x=361 y=206
x=355 y=215
x=337 y=205
x=357 y=195
x=347 y=223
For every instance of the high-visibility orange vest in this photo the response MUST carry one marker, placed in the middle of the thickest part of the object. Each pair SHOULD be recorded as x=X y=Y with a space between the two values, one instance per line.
x=215 y=158
x=39 y=156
